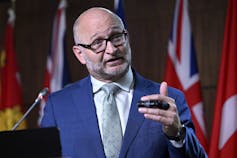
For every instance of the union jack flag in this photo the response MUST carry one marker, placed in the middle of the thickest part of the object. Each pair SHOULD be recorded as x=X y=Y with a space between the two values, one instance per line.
x=181 y=69
x=119 y=10
x=57 y=72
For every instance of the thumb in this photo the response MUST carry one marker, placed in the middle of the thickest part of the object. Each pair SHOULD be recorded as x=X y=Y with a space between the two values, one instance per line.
x=164 y=89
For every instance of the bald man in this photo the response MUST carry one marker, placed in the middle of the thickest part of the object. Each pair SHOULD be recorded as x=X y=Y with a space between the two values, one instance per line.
x=102 y=45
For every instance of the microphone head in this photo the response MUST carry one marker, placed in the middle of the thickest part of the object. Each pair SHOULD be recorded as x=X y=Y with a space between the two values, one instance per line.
x=43 y=92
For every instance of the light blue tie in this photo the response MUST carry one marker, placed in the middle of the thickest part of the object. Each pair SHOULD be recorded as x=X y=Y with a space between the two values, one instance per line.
x=111 y=126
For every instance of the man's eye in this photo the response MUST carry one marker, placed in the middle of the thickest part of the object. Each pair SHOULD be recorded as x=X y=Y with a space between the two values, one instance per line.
x=116 y=38
x=97 y=42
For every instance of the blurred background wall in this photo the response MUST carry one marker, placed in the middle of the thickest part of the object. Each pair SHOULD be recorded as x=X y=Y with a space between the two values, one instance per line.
x=149 y=24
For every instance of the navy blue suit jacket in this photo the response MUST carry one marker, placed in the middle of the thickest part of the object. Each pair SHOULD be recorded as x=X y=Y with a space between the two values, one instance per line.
x=73 y=111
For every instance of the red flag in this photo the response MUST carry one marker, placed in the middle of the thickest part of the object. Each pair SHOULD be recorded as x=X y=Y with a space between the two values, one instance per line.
x=10 y=89
x=181 y=68
x=223 y=142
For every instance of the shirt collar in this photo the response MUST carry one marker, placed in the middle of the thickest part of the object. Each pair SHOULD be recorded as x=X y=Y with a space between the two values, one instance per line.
x=125 y=83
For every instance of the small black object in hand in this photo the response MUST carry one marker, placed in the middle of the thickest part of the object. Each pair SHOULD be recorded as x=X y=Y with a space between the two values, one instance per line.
x=153 y=104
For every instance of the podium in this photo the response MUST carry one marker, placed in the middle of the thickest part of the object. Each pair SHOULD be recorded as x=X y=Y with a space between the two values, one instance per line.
x=37 y=143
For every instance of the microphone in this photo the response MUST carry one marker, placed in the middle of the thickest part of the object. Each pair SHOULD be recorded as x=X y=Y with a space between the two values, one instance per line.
x=41 y=94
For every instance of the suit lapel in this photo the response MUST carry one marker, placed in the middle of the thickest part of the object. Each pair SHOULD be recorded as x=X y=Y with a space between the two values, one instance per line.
x=83 y=99
x=135 y=118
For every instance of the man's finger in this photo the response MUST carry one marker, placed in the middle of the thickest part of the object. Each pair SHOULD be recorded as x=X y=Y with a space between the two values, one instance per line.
x=164 y=89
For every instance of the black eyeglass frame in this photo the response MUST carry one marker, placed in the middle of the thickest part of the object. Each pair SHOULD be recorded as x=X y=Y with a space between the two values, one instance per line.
x=88 y=46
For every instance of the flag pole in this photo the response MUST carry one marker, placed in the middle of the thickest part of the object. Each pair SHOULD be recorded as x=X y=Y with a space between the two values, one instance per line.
x=13 y=4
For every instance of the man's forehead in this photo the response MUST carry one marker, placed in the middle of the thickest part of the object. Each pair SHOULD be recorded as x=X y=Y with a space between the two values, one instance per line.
x=97 y=16
x=111 y=29
x=101 y=26
x=97 y=22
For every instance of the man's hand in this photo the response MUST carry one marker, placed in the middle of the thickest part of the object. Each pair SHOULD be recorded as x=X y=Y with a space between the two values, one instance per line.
x=168 y=118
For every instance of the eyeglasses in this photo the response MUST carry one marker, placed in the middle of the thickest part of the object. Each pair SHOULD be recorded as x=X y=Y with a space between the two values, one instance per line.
x=99 y=45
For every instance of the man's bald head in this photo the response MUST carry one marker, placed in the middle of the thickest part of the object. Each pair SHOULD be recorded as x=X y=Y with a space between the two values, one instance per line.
x=94 y=19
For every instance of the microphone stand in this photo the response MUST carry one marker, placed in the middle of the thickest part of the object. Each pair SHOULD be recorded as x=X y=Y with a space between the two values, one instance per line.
x=37 y=100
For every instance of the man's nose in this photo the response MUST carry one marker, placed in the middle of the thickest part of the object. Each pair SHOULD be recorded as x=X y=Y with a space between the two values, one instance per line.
x=110 y=48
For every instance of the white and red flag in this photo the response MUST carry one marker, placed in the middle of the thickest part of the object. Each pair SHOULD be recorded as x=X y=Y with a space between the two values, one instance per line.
x=181 y=67
x=223 y=143
x=57 y=72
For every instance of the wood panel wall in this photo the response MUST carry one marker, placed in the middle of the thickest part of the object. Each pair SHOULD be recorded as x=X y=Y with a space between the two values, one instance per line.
x=149 y=24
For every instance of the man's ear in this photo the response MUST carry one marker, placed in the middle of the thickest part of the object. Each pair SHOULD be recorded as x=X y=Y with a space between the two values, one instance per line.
x=79 y=55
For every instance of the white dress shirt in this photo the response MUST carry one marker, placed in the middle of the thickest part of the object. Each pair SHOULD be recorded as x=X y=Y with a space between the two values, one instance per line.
x=123 y=98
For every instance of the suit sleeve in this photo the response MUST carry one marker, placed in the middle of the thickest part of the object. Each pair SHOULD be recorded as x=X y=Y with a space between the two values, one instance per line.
x=191 y=148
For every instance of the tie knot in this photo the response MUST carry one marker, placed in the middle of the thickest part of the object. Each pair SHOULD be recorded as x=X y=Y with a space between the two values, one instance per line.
x=110 y=88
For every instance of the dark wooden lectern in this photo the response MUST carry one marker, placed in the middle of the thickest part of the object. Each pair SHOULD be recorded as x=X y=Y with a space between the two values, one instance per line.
x=33 y=143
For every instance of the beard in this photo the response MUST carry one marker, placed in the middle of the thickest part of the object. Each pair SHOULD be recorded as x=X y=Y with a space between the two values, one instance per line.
x=112 y=73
